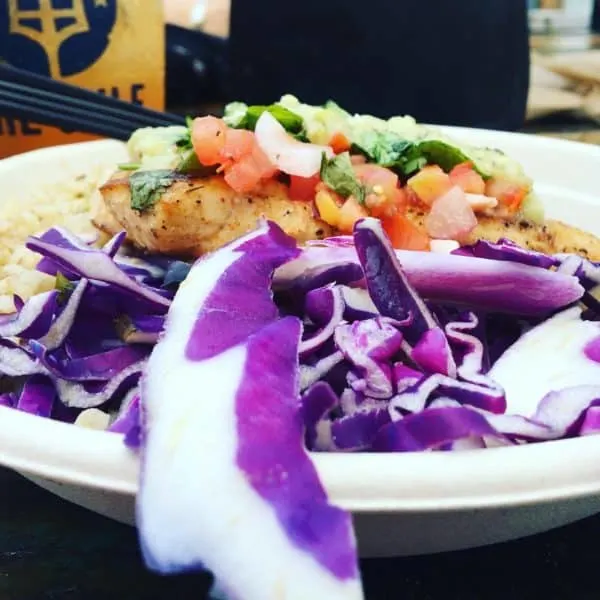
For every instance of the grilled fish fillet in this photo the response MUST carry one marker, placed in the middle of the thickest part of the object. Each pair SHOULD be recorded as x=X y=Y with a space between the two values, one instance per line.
x=552 y=237
x=199 y=215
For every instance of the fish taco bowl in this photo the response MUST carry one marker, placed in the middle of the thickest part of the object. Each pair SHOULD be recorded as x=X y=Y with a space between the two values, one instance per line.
x=425 y=329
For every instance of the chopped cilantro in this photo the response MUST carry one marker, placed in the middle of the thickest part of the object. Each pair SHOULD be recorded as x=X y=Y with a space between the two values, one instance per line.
x=446 y=156
x=337 y=173
x=240 y=116
x=389 y=150
x=147 y=186
x=185 y=141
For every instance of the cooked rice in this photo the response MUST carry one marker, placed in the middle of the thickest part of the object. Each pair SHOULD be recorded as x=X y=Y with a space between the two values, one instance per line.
x=67 y=204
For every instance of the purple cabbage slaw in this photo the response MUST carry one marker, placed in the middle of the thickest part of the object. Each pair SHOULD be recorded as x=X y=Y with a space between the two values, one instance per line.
x=274 y=374
x=345 y=345
x=266 y=529
x=67 y=350
x=389 y=331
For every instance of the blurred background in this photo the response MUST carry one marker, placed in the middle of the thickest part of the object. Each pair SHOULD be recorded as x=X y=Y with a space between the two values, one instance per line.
x=464 y=63
x=559 y=94
x=530 y=65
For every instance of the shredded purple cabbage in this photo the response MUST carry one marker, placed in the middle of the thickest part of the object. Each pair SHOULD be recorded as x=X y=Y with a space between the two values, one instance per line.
x=485 y=284
x=37 y=396
x=446 y=325
x=239 y=437
x=128 y=420
x=388 y=332
x=66 y=348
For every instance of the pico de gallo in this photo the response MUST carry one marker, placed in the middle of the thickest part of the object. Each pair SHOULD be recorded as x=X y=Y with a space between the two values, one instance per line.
x=353 y=166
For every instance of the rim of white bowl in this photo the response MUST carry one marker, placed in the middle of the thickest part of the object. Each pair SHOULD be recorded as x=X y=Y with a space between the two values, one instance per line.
x=409 y=482
x=365 y=482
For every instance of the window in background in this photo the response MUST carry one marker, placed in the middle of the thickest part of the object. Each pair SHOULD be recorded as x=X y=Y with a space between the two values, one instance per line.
x=555 y=16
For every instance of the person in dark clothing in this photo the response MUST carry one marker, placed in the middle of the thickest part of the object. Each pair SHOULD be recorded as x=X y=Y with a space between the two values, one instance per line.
x=461 y=62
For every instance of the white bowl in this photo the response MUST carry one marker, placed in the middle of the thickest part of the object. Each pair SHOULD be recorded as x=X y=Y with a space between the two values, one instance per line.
x=403 y=503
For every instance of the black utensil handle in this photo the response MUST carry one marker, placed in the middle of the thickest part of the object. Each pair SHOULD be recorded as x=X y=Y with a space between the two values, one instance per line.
x=9 y=73
x=64 y=120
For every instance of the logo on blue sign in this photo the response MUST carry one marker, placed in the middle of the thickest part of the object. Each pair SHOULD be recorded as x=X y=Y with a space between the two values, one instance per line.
x=55 y=37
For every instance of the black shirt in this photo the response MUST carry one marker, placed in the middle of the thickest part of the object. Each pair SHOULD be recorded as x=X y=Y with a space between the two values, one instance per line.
x=459 y=62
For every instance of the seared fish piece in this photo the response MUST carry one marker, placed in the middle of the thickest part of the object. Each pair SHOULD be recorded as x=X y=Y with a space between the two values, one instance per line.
x=550 y=238
x=198 y=215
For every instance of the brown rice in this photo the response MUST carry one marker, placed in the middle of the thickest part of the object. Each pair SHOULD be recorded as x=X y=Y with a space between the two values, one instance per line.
x=67 y=204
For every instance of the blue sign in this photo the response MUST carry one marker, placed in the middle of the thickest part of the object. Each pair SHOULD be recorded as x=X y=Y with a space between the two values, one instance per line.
x=55 y=37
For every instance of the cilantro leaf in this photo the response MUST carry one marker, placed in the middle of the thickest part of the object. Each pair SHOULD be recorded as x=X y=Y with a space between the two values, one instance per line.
x=237 y=117
x=446 y=156
x=147 y=186
x=337 y=173
x=185 y=141
x=389 y=150
x=188 y=162
x=290 y=121
x=190 y=165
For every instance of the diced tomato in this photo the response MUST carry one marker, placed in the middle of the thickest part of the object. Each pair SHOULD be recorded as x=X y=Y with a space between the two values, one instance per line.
x=401 y=199
x=513 y=200
x=242 y=176
x=403 y=234
x=303 y=188
x=241 y=159
x=245 y=165
x=350 y=212
x=339 y=142
x=238 y=143
x=374 y=175
x=411 y=198
x=384 y=197
x=465 y=176
x=451 y=216
x=262 y=163
x=430 y=183
x=508 y=194
x=247 y=172
x=208 y=139
x=327 y=205
x=382 y=206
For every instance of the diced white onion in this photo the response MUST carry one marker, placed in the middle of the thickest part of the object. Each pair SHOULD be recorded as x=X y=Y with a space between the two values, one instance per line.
x=286 y=153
